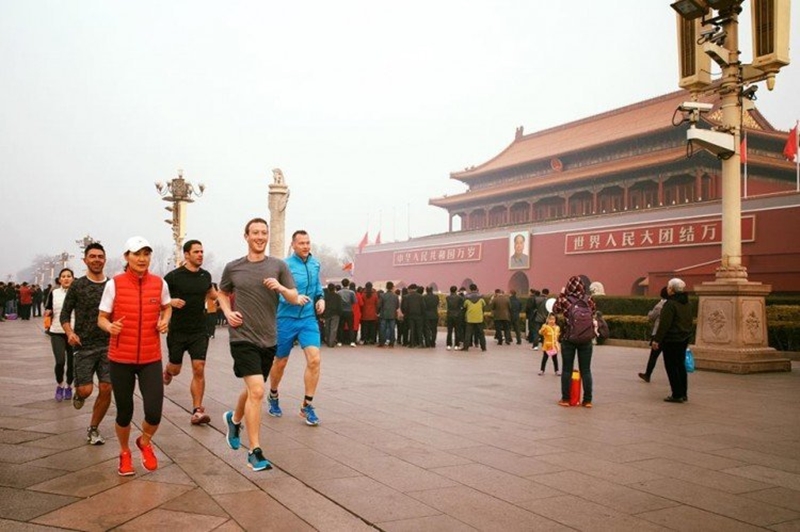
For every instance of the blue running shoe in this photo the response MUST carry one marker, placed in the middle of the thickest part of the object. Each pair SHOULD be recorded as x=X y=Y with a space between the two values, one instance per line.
x=310 y=415
x=232 y=434
x=274 y=407
x=256 y=460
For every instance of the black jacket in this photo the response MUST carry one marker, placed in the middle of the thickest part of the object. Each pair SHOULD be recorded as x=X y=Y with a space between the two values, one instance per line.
x=676 y=321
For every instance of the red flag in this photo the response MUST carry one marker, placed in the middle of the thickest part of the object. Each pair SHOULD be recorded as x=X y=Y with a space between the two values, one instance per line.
x=348 y=267
x=790 y=150
x=378 y=238
x=743 y=151
x=364 y=242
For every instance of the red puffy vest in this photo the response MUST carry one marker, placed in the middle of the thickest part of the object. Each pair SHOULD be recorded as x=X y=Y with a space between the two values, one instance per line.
x=138 y=299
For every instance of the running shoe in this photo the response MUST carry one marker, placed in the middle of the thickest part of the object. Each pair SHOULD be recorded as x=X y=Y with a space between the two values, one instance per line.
x=310 y=415
x=77 y=401
x=125 y=464
x=232 y=433
x=563 y=403
x=541 y=373
x=59 y=393
x=274 y=406
x=587 y=404
x=149 y=460
x=199 y=416
x=256 y=460
x=68 y=393
x=93 y=437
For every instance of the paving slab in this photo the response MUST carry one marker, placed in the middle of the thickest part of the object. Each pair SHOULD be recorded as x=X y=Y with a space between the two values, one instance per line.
x=413 y=439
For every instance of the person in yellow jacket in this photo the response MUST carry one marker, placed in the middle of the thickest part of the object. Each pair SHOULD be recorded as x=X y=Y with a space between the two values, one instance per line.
x=551 y=345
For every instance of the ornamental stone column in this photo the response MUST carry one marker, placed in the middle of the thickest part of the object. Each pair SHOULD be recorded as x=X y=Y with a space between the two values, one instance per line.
x=278 y=198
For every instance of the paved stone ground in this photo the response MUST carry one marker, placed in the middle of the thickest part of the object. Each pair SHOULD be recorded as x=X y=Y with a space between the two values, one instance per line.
x=422 y=439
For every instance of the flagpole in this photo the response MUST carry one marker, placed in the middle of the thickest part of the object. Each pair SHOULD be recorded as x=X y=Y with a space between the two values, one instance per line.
x=797 y=156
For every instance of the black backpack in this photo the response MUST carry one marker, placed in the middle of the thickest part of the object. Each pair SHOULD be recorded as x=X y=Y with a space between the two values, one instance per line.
x=579 y=321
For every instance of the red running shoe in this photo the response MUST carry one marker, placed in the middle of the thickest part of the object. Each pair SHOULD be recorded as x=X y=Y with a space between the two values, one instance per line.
x=149 y=460
x=125 y=464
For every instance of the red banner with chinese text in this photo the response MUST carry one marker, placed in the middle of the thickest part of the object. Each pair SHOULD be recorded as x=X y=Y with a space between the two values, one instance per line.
x=438 y=255
x=668 y=235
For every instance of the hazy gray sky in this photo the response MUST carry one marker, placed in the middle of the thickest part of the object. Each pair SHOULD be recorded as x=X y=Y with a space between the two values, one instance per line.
x=366 y=106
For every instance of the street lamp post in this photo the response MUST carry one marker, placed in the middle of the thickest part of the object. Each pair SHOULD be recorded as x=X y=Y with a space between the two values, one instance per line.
x=731 y=331
x=84 y=242
x=178 y=193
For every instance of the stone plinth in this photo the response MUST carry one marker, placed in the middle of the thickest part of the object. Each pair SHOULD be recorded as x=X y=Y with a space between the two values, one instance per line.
x=732 y=329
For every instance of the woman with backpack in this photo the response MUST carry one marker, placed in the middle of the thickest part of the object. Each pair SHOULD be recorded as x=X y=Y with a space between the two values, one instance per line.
x=578 y=309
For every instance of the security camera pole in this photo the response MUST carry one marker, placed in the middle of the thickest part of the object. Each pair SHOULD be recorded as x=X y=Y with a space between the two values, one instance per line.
x=731 y=331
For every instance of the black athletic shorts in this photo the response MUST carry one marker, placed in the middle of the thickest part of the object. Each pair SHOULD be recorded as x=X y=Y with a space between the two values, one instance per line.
x=250 y=359
x=196 y=344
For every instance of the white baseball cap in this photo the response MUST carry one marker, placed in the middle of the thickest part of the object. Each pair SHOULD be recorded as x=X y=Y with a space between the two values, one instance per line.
x=135 y=243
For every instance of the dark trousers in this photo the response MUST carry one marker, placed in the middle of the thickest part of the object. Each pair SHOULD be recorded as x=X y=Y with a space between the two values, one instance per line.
x=545 y=356
x=431 y=330
x=453 y=331
x=346 y=321
x=331 y=330
x=502 y=330
x=675 y=363
x=369 y=331
x=651 y=361
x=584 y=353
x=475 y=330
x=62 y=352
x=535 y=333
x=415 y=331
x=515 y=328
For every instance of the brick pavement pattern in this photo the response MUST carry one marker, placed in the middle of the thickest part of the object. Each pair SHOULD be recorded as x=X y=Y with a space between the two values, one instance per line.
x=422 y=439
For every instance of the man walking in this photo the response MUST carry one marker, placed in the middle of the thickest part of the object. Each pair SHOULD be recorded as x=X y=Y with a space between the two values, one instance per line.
x=256 y=280
x=299 y=324
x=474 y=305
x=189 y=286
x=346 y=319
x=90 y=342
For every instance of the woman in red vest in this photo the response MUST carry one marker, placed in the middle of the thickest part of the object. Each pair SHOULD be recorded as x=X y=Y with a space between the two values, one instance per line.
x=134 y=310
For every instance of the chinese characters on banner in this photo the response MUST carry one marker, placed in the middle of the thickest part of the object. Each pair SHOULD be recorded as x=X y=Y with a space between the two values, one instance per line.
x=669 y=235
x=438 y=255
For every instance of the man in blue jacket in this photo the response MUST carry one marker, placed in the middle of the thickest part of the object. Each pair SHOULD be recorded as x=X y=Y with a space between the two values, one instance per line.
x=298 y=323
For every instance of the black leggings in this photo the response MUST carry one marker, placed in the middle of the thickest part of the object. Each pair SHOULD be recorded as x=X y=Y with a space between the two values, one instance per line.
x=151 y=386
x=63 y=353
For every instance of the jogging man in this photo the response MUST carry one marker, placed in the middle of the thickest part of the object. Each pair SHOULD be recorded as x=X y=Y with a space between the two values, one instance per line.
x=189 y=286
x=256 y=280
x=90 y=342
x=299 y=323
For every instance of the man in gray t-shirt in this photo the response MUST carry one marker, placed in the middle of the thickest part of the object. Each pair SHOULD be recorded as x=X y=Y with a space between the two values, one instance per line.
x=254 y=281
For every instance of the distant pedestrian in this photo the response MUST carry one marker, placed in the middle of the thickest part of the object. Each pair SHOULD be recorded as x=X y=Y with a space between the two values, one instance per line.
x=516 y=308
x=454 y=304
x=550 y=334
x=474 y=305
x=654 y=317
x=576 y=306
x=333 y=311
x=388 y=309
x=673 y=334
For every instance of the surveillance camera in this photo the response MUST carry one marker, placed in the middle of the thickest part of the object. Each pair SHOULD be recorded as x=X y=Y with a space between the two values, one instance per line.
x=696 y=107
x=750 y=92
x=717 y=142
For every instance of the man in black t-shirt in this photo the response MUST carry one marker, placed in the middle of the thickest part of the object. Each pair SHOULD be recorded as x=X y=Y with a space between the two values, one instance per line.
x=89 y=341
x=189 y=286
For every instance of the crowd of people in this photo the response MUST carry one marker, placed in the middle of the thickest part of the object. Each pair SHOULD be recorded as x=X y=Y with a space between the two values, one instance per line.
x=105 y=332
x=22 y=301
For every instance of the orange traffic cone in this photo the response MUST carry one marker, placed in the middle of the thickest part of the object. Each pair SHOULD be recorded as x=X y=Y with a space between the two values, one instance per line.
x=575 y=389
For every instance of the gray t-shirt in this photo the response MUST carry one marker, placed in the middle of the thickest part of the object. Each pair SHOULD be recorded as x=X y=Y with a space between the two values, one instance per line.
x=257 y=303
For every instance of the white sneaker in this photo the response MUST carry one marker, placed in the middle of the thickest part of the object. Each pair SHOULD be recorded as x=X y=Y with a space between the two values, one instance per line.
x=541 y=373
x=536 y=348
x=448 y=348
x=339 y=344
x=352 y=344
